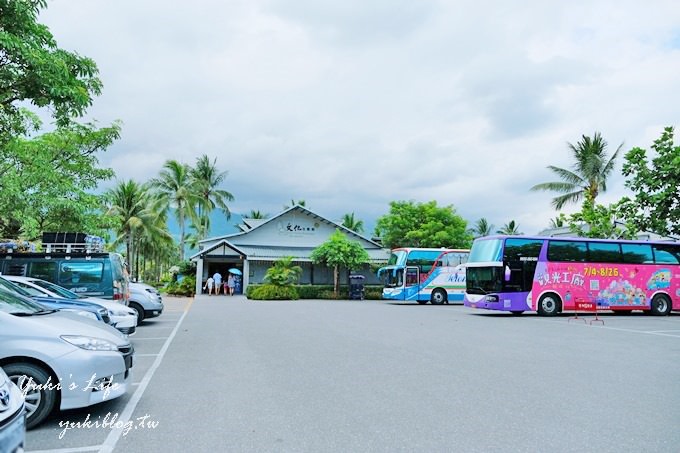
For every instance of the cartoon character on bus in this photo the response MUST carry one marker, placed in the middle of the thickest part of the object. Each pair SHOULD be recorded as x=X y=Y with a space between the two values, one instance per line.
x=660 y=279
x=621 y=293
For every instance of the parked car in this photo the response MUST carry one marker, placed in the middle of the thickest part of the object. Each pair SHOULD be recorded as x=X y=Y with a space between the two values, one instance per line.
x=39 y=348
x=145 y=300
x=122 y=318
x=87 y=309
x=12 y=416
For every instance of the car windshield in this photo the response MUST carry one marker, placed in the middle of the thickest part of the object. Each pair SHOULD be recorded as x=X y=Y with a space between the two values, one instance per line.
x=18 y=305
x=61 y=292
x=13 y=288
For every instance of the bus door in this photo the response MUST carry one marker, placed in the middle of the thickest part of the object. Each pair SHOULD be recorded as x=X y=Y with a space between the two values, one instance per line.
x=411 y=282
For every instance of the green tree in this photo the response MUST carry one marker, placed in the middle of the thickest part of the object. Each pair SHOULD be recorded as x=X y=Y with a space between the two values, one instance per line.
x=206 y=180
x=129 y=207
x=338 y=251
x=411 y=224
x=33 y=70
x=349 y=222
x=510 y=228
x=590 y=172
x=200 y=232
x=174 y=192
x=294 y=203
x=656 y=185
x=482 y=228
x=46 y=182
x=283 y=272
x=559 y=221
x=253 y=214
x=598 y=221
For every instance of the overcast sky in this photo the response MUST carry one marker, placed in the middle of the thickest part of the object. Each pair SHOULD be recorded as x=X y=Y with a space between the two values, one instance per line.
x=351 y=104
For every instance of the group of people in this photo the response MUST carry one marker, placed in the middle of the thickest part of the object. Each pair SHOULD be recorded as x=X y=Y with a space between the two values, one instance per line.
x=214 y=283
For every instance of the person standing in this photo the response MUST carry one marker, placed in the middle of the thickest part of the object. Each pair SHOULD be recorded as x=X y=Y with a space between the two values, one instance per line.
x=231 y=283
x=217 y=277
x=209 y=285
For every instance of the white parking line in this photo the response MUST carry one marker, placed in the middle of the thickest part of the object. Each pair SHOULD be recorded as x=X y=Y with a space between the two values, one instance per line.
x=68 y=450
x=659 y=333
x=113 y=437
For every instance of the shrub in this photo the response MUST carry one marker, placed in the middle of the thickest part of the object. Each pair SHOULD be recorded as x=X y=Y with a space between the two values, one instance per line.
x=373 y=292
x=272 y=292
x=186 y=287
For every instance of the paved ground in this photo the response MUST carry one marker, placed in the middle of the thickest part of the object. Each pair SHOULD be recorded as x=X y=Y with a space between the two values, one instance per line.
x=227 y=374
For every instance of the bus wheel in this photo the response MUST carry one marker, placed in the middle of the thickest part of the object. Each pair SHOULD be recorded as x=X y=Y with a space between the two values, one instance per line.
x=548 y=305
x=661 y=305
x=438 y=297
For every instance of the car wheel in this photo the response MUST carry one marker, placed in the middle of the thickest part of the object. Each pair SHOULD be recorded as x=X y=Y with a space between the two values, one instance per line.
x=139 y=310
x=438 y=297
x=39 y=390
x=549 y=305
x=661 y=305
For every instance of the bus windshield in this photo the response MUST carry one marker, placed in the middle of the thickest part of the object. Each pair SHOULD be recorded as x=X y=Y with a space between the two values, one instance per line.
x=486 y=251
x=397 y=257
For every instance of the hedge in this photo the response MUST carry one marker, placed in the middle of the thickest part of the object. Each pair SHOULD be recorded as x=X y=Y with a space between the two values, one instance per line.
x=372 y=292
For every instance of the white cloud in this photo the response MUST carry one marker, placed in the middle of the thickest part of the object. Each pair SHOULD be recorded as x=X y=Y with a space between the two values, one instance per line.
x=350 y=105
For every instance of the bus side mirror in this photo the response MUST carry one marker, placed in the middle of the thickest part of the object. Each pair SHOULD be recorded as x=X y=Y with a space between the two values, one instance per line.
x=507 y=273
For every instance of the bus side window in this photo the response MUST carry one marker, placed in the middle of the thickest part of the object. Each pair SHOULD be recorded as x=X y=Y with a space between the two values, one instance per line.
x=666 y=254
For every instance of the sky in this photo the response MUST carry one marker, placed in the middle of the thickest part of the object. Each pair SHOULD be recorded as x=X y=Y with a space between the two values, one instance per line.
x=352 y=104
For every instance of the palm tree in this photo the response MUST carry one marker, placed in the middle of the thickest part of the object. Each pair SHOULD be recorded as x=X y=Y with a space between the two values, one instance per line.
x=283 y=272
x=510 y=228
x=152 y=244
x=174 y=190
x=294 y=203
x=589 y=175
x=129 y=204
x=206 y=179
x=482 y=228
x=350 y=223
x=200 y=231
x=253 y=214
x=557 y=222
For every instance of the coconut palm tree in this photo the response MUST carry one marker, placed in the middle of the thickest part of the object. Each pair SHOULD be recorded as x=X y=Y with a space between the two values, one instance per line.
x=350 y=223
x=482 y=228
x=173 y=190
x=206 y=180
x=510 y=228
x=294 y=203
x=253 y=214
x=129 y=204
x=590 y=172
x=200 y=232
x=558 y=222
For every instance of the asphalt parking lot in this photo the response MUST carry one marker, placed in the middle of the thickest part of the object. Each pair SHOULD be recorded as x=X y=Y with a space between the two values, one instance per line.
x=228 y=374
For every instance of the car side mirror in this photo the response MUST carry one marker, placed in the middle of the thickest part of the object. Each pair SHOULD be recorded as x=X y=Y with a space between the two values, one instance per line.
x=508 y=272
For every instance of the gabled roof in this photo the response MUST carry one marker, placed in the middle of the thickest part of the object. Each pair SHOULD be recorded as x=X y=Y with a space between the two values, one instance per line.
x=222 y=243
x=252 y=223
x=256 y=225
